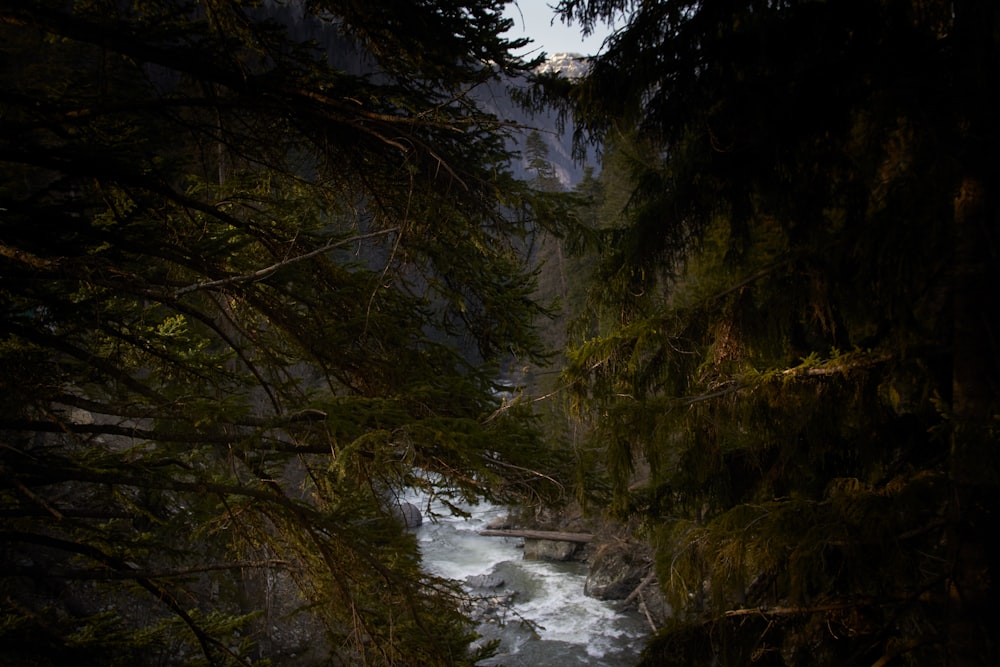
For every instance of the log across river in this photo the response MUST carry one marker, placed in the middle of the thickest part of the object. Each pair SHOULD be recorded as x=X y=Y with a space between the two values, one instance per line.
x=557 y=536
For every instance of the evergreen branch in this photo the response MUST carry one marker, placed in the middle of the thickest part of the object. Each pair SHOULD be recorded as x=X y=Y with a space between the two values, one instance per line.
x=392 y=253
x=156 y=435
x=733 y=387
x=115 y=38
x=126 y=412
x=111 y=371
x=37 y=619
x=753 y=277
x=771 y=612
x=121 y=174
x=24 y=257
x=149 y=347
x=135 y=573
x=806 y=369
x=507 y=405
x=260 y=274
x=129 y=411
x=134 y=432
x=895 y=651
x=823 y=369
x=23 y=512
x=159 y=592
x=837 y=365
x=31 y=495
x=534 y=473
x=139 y=478
x=214 y=325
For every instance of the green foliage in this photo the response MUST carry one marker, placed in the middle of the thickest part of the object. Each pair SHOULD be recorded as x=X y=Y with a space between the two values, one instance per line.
x=788 y=294
x=248 y=293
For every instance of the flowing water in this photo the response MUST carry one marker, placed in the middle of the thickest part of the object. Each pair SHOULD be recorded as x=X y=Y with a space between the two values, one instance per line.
x=549 y=621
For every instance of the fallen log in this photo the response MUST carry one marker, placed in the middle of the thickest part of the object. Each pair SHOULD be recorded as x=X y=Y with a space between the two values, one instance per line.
x=554 y=535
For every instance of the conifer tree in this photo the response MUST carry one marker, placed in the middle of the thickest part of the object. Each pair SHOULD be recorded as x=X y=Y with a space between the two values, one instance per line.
x=794 y=380
x=251 y=286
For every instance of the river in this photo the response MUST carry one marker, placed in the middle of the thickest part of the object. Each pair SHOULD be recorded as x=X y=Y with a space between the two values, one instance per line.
x=549 y=621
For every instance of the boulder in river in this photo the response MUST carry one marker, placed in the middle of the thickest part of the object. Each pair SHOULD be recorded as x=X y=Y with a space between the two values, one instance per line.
x=485 y=581
x=500 y=523
x=557 y=550
x=409 y=514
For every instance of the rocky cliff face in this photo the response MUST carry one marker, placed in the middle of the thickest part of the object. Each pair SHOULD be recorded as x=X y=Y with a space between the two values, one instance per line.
x=494 y=96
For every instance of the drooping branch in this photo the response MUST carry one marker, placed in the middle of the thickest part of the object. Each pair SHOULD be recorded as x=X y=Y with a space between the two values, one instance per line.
x=268 y=270
x=841 y=365
x=111 y=371
x=206 y=641
x=136 y=432
x=135 y=573
x=164 y=412
x=773 y=612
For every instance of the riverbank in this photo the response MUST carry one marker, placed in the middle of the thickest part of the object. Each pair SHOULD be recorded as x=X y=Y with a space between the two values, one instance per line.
x=619 y=567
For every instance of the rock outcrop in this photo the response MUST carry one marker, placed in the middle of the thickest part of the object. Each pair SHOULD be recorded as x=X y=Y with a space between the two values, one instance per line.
x=615 y=571
x=557 y=550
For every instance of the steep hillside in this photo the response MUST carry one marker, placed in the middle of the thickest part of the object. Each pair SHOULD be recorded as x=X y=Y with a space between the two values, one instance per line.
x=498 y=98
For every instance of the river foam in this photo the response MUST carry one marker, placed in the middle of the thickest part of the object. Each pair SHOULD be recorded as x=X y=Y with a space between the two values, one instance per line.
x=550 y=621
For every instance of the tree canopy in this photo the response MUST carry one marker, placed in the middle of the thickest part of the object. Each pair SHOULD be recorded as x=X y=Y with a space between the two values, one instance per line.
x=259 y=265
x=793 y=380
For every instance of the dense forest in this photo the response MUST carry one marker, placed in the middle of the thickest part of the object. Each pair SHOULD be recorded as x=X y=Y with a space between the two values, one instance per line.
x=264 y=266
x=790 y=366
x=260 y=270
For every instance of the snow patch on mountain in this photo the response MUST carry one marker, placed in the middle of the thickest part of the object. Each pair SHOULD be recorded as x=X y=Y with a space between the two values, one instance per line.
x=569 y=65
